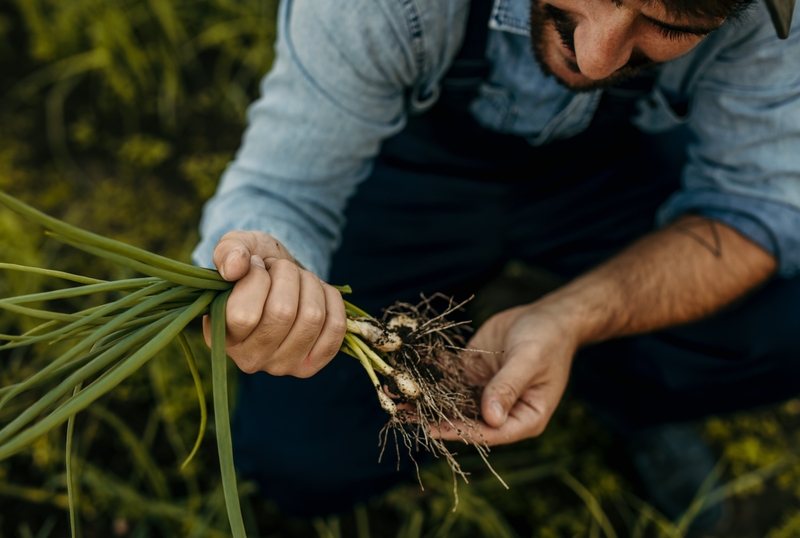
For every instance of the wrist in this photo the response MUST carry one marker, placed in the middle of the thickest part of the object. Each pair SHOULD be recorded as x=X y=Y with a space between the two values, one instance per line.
x=587 y=308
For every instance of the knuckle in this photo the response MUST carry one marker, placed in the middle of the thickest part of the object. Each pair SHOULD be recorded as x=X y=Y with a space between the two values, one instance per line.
x=283 y=264
x=329 y=351
x=337 y=326
x=240 y=319
x=265 y=339
x=504 y=391
x=282 y=313
x=247 y=365
x=313 y=316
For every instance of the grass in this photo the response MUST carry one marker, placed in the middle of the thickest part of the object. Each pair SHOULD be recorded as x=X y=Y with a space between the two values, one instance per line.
x=138 y=106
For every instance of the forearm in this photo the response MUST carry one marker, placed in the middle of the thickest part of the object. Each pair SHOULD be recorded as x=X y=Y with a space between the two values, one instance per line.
x=672 y=276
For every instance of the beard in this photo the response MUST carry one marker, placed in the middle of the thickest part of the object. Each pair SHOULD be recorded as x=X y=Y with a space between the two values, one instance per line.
x=542 y=16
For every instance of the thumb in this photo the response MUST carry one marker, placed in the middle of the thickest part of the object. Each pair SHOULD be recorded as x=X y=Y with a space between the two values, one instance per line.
x=232 y=253
x=232 y=259
x=503 y=391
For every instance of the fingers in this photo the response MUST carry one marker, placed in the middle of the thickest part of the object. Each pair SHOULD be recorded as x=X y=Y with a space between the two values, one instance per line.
x=278 y=308
x=246 y=302
x=504 y=389
x=526 y=419
x=282 y=320
x=305 y=328
x=332 y=333
x=232 y=253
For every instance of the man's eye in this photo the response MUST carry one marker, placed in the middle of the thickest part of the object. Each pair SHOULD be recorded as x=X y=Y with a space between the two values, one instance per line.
x=673 y=35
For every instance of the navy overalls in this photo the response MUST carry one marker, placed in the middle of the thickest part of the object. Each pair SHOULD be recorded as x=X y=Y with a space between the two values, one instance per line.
x=447 y=206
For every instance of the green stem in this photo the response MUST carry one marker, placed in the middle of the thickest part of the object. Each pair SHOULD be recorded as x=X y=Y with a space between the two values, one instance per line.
x=77 y=291
x=82 y=321
x=205 y=282
x=84 y=373
x=219 y=365
x=100 y=387
x=96 y=336
x=72 y=491
x=359 y=354
x=376 y=360
x=76 y=234
x=198 y=384
x=49 y=272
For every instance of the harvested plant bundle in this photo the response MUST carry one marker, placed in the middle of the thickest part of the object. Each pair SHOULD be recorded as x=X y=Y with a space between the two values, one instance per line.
x=413 y=348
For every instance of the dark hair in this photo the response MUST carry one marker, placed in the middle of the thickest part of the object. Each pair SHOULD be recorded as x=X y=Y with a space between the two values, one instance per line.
x=715 y=9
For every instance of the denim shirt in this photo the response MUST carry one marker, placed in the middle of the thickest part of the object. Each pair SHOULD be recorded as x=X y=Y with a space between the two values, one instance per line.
x=347 y=74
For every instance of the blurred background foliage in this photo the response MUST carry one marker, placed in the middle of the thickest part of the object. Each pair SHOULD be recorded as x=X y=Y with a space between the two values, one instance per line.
x=119 y=116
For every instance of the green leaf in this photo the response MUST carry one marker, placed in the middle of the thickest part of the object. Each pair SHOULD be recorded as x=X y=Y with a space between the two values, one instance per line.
x=48 y=272
x=109 y=380
x=205 y=282
x=198 y=384
x=72 y=492
x=96 y=336
x=219 y=376
x=78 y=235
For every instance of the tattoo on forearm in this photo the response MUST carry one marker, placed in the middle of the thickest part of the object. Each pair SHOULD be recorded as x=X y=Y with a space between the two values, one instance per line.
x=691 y=229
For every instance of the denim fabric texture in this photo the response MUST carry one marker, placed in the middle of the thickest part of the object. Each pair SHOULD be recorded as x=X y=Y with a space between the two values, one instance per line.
x=347 y=74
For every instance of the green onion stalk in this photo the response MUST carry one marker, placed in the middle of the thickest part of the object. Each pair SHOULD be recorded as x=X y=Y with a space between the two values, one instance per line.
x=111 y=341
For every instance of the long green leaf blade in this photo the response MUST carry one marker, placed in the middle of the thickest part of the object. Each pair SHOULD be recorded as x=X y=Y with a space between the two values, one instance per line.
x=198 y=385
x=66 y=293
x=49 y=272
x=53 y=395
x=179 y=278
x=89 y=341
x=219 y=365
x=72 y=492
x=100 y=387
x=77 y=234
x=82 y=321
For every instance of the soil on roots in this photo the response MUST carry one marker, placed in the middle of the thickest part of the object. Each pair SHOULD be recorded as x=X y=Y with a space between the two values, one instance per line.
x=433 y=353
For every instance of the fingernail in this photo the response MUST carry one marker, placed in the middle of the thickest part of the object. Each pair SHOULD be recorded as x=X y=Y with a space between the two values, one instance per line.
x=498 y=409
x=255 y=260
x=230 y=256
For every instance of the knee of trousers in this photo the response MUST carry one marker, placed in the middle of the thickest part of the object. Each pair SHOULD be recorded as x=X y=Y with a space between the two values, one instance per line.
x=312 y=444
x=746 y=355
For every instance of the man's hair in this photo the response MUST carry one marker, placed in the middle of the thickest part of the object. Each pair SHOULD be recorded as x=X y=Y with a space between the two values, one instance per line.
x=715 y=9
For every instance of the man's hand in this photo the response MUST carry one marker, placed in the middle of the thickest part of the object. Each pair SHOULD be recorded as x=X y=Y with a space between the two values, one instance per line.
x=675 y=275
x=525 y=382
x=281 y=318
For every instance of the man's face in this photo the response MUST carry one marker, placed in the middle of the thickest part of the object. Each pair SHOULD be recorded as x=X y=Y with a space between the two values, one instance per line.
x=590 y=44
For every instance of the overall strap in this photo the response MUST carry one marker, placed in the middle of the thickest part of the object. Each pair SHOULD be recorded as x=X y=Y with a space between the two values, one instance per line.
x=447 y=140
x=470 y=67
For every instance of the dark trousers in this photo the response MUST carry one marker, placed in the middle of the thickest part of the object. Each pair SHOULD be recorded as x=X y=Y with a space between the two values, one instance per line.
x=313 y=444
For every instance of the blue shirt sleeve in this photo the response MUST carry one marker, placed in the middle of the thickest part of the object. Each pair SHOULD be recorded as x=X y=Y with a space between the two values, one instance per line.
x=744 y=163
x=334 y=93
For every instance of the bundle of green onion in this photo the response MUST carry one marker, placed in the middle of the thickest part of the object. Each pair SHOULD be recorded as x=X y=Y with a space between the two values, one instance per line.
x=112 y=341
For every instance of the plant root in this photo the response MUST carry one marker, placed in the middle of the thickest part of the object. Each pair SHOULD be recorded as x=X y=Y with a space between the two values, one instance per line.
x=428 y=357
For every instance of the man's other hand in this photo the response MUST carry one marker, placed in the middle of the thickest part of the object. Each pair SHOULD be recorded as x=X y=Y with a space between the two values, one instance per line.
x=281 y=319
x=526 y=380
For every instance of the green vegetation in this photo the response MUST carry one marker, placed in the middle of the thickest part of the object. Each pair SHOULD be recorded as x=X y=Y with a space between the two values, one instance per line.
x=119 y=116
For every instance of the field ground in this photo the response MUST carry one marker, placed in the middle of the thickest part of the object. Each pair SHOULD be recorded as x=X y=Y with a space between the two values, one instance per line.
x=119 y=116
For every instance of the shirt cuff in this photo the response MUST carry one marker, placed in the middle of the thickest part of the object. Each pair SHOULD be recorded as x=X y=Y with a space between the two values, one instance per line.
x=772 y=225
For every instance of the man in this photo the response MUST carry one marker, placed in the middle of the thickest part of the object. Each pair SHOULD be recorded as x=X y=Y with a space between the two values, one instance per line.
x=517 y=144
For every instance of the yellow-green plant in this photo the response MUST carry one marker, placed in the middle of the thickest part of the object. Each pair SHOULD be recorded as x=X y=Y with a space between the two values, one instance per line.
x=113 y=340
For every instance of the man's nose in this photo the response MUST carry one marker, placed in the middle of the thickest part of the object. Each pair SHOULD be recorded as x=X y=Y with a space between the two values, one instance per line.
x=602 y=46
